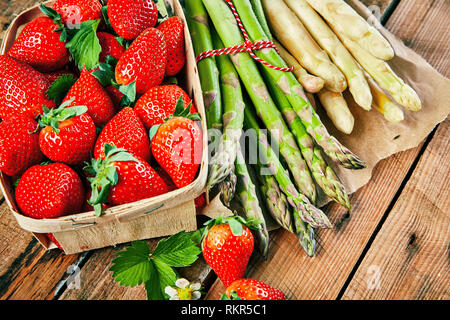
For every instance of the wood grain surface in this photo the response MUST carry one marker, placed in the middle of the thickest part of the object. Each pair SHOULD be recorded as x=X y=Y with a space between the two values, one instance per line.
x=399 y=225
x=409 y=257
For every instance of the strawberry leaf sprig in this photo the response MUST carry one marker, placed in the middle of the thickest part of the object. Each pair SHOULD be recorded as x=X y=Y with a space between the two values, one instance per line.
x=81 y=39
x=105 y=175
x=137 y=264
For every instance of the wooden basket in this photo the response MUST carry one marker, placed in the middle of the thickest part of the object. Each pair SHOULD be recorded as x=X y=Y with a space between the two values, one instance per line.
x=159 y=216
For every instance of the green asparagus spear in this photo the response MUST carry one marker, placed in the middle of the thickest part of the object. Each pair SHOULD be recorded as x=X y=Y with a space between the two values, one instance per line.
x=305 y=235
x=270 y=164
x=322 y=173
x=246 y=190
x=276 y=201
x=259 y=94
x=222 y=163
x=286 y=81
x=259 y=12
x=197 y=20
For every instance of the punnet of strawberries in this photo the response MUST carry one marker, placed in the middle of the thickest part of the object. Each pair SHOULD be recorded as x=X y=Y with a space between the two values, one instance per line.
x=93 y=112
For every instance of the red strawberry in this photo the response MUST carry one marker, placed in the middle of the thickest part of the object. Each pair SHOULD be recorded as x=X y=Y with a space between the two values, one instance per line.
x=144 y=61
x=227 y=248
x=50 y=191
x=88 y=91
x=68 y=134
x=173 y=31
x=110 y=46
x=76 y=11
x=125 y=131
x=52 y=77
x=51 y=237
x=159 y=102
x=22 y=89
x=249 y=289
x=166 y=178
x=19 y=149
x=177 y=147
x=130 y=18
x=39 y=46
x=122 y=178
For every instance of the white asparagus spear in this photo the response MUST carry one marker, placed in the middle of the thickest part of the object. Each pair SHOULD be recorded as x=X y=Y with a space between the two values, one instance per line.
x=386 y=78
x=347 y=22
x=337 y=110
x=384 y=105
x=293 y=35
x=310 y=82
x=326 y=38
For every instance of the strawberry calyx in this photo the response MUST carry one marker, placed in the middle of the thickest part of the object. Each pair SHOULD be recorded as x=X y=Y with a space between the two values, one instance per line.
x=233 y=296
x=106 y=76
x=81 y=39
x=180 y=111
x=104 y=175
x=53 y=117
x=59 y=89
x=235 y=222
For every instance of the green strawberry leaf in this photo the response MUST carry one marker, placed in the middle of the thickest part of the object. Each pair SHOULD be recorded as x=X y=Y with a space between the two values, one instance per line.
x=84 y=44
x=161 y=277
x=236 y=227
x=129 y=94
x=133 y=267
x=177 y=251
x=136 y=264
x=59 y=89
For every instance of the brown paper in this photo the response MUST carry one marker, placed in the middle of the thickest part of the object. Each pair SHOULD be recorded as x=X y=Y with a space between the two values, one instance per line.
x=373 y=137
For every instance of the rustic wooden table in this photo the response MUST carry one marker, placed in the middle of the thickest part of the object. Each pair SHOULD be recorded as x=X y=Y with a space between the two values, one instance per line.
x=395 y=246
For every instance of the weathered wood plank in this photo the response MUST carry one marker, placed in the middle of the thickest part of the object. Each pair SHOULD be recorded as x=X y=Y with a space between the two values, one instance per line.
x=27 y=270
x=322 y=277
x=340 y=249
x=409 y=257
x=11 y=9
x=423 y=26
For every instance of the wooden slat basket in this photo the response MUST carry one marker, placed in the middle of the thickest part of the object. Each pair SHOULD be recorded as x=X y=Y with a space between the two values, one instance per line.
x=159 y=216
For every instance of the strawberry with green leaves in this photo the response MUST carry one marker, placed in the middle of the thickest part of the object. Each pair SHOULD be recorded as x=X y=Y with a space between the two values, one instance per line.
x=177 y=145
x=159 y=102
x=87 y=91
x=74 y=12
x=78 y=34
x=250 y=289
x=173 y=31
x=68 y=134
x=19 y=146
x=227 y=246
x=144 y=61
x=50 y=191
x=39 y=45
x=129 y=18
x=125 y=131
x=121 y=178
x=23 y=90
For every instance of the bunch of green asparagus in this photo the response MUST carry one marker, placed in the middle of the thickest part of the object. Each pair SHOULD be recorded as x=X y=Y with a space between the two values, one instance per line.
x=328 y=40
x=268 y=109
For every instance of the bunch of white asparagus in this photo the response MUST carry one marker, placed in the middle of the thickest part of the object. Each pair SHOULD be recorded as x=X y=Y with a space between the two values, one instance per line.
x=333 y=48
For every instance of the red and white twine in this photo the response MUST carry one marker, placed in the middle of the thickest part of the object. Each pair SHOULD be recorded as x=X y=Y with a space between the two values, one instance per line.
x=247 y=46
